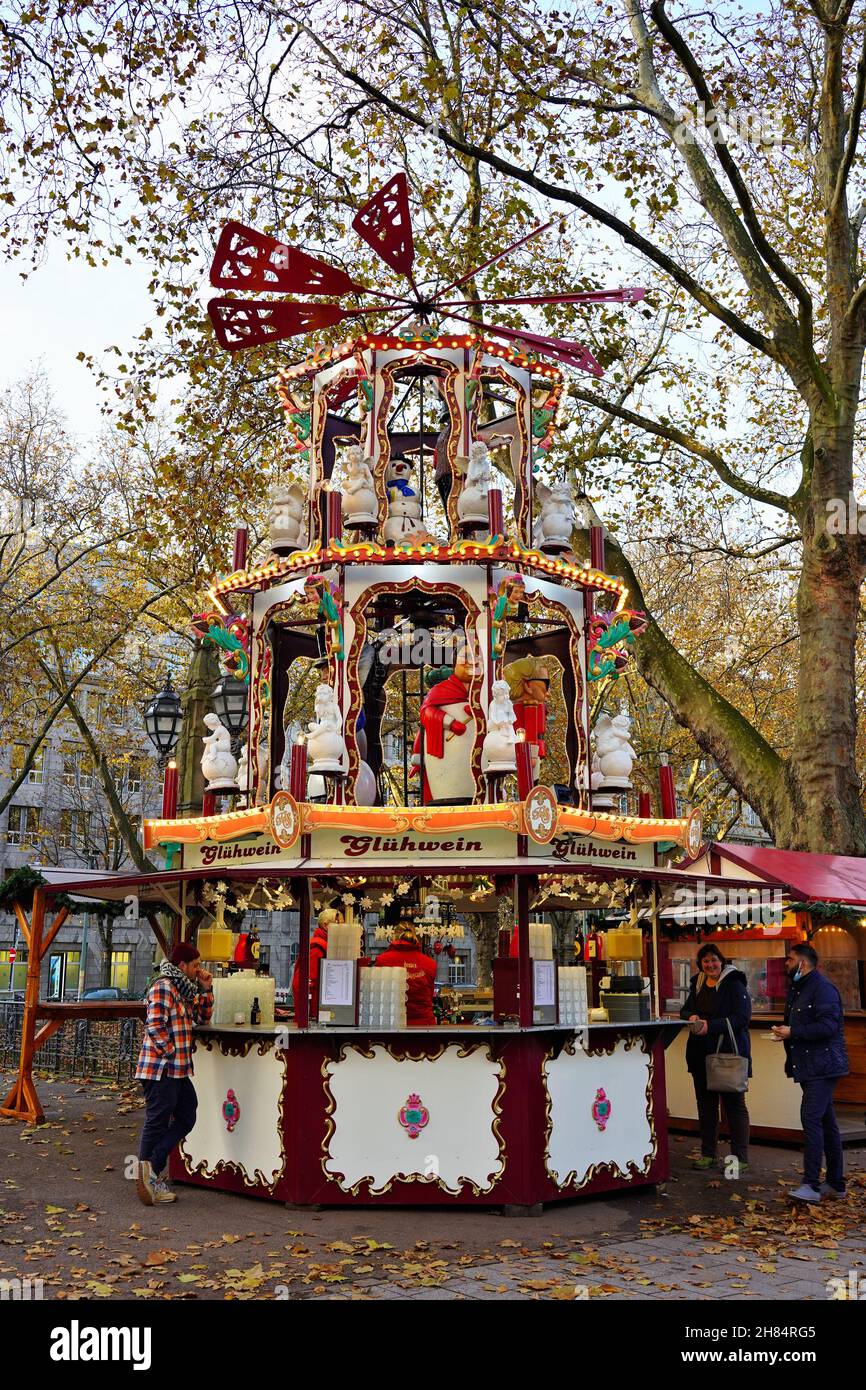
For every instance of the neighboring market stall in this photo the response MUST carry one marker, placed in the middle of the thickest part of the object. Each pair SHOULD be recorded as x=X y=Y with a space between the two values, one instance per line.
x=822 y=899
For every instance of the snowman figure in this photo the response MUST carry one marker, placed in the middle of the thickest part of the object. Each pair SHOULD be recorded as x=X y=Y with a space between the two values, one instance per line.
x=360 y=505
x=497 y=752
x=404 y=509
x=472 y=502
x=218 y=763
x=287 y=519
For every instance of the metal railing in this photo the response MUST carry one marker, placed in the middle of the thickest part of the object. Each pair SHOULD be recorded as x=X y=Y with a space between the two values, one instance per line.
x=106 y=1048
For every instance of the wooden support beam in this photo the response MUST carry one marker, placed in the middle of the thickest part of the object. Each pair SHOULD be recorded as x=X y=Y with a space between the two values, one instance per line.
x=22 y=921
x=158 y=932
x=54 y=929
x=22 y=1102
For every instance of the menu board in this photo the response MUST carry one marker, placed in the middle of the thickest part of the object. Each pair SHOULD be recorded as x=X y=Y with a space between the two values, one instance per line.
x=336 y=983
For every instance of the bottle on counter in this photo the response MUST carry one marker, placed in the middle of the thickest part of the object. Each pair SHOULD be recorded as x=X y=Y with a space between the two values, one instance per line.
x=255 y=1013
x=579 y=947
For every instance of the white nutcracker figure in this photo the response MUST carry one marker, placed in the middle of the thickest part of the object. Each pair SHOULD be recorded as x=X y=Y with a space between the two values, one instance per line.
x=218 y=763
x=497 y=752
x=360 y=505
x=472 y=502
x=555 y=516
x=287 y=519
x=325 y=744
x=404 y=509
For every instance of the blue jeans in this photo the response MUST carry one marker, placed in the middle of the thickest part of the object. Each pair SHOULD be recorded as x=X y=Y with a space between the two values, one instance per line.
x=821 y=1133
x=170 y=1109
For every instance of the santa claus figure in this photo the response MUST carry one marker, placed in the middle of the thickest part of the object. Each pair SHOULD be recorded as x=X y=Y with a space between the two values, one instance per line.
x=529 y=683
x=449 y=730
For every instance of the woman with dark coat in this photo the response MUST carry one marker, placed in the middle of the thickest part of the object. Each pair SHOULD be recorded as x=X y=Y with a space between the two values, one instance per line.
x=718 y=996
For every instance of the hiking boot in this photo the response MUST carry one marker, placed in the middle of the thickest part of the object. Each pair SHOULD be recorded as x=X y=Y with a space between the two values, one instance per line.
x=162 y=1192
x=703 y=1163
x=835 y=1194
x=145 y=1183
x=805 y=1193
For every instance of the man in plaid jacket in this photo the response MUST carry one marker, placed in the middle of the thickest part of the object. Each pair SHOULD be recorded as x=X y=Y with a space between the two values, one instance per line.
x=181 y=996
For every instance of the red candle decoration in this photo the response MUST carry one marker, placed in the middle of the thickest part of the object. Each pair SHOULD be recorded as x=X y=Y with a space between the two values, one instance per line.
x=495 y=512
x=644 y=805
x=523 y=755
x=208 y=804
x=298 y=776
x=667 y=790
x=169 y=792
x=242 y=536
x=596 y=547
x=334 y=516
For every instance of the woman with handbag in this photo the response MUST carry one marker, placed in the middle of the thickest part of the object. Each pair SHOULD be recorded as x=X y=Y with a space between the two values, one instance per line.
x=718 y=1052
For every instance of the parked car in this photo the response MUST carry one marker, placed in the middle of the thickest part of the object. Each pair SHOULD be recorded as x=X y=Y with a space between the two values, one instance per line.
x=109 y=993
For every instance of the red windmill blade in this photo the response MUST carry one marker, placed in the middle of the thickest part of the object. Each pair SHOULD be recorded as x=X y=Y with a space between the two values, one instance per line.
x=624 y=296
x=572 y=354
x=385 y=223
x=250 y=260
x=244 y=323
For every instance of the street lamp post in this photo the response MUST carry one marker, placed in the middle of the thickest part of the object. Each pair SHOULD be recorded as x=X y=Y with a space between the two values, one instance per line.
x=162 y=721
x=230 y=699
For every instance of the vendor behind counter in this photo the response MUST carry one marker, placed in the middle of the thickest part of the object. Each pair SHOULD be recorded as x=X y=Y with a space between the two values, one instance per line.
x=405 y=950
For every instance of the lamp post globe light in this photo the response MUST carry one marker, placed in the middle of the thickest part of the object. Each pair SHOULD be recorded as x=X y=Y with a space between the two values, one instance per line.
x=229 y=700
x=162 y=720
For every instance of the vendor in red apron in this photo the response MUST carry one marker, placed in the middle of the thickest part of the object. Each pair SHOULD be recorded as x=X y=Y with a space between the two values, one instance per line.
x=405 y=950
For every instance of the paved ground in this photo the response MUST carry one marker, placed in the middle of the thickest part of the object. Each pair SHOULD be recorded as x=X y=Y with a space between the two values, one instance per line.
x=70 y=1217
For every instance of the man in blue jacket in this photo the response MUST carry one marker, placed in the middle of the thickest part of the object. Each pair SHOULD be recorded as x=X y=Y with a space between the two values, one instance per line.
x=814 y=1038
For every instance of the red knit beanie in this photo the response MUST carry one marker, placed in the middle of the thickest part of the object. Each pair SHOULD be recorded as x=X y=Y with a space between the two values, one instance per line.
x=184 y=952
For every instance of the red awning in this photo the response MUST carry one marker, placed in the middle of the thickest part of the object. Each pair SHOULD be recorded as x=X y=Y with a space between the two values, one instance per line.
x=833 y=878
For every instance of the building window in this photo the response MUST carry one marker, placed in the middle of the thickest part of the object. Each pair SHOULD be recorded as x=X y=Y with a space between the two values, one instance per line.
x=74 y=829
x=63 y=970
x=36 y=770
x=120 y=969
x=133 y=778
x=77 y=767
x=12 y=976
x=458 y=971
x=23 y=825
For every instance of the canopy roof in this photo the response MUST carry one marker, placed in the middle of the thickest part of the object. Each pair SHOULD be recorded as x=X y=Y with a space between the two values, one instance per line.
x=821 y=877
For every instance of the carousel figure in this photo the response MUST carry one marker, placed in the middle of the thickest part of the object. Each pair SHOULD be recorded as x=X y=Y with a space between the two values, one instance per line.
x=555 y=518
x=449 y=730
x=497 y=752
x=287 y=519
x=472 y=502
x=325 y=743
x=218 y=763
x=404 y=509
x=360 y=505
x=529 y=683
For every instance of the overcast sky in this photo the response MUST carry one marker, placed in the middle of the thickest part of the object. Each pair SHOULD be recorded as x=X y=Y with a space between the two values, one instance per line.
x=63 y=309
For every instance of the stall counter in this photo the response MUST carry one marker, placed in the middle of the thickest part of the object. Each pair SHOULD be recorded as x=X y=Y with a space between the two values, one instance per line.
x=481 y=1115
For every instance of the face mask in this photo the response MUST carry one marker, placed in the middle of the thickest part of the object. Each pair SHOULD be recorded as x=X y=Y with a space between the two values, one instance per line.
x=798 y=972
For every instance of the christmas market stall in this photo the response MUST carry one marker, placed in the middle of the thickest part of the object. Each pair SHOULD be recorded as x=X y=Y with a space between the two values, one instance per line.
x=774 y=898
x=422 y=655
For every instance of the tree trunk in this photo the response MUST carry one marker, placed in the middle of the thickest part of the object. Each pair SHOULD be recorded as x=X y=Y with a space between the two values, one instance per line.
x=204 y=672
x=820 y=808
